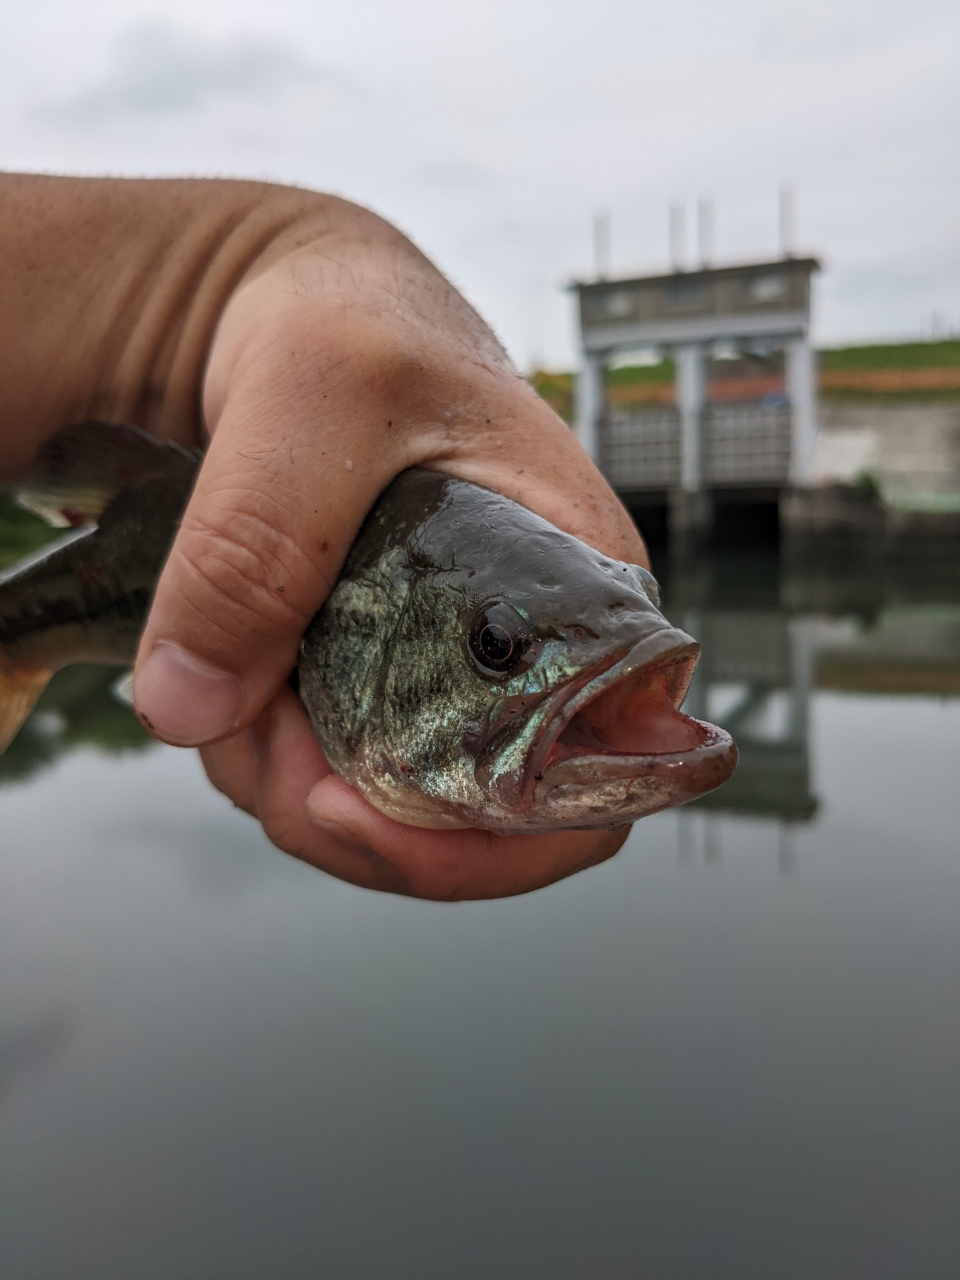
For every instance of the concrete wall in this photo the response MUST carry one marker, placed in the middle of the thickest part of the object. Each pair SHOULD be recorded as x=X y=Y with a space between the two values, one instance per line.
x=911 y=448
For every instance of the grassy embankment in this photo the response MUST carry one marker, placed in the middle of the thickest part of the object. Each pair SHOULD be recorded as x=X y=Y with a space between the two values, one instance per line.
x=885 y=370
x=894 y=370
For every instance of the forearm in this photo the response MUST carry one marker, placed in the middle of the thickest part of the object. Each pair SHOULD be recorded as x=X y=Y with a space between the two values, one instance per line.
x=112 y=290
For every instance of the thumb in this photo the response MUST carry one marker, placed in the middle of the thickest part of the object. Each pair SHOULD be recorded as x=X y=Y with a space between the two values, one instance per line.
x=260 y=545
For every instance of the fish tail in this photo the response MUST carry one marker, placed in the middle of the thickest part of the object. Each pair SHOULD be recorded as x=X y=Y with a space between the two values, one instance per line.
x=20 y=687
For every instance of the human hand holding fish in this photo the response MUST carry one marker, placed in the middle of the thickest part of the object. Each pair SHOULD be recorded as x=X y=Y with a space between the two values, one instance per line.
x=318 y=356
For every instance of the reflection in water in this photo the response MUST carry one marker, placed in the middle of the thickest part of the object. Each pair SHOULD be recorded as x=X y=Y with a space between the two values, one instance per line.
x=29 y=1048
x=77 y=709
x=650 y=1069
x=773 y=633
x=755 y=679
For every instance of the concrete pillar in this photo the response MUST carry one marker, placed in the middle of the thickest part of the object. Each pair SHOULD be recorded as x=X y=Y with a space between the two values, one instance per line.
x=695 y=703
x=801 y=379
x=691 y=394
x=589 y=409
x=689 y=518
x=803 y=661
x=691 y=835
x=786 y=849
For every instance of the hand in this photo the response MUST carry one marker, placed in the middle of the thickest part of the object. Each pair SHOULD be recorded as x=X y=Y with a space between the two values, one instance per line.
x=343 y=358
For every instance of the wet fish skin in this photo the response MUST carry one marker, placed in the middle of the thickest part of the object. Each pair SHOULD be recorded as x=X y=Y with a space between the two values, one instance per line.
x=405 y=714
x=389 y=669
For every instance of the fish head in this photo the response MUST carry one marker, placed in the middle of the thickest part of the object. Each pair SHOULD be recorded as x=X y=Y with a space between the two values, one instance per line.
x=582 y=679
x=529 y=683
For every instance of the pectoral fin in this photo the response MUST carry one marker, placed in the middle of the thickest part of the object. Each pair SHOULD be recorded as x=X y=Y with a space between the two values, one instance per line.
x=19 y=690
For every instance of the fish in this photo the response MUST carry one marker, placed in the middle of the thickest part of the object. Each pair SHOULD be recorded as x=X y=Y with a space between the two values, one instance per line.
x=473 y=666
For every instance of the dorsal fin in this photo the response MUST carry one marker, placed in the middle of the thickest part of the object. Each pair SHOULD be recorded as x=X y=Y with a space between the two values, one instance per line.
x=78 y=473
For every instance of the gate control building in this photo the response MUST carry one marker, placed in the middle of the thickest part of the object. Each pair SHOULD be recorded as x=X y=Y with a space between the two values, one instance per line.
x=700 y=451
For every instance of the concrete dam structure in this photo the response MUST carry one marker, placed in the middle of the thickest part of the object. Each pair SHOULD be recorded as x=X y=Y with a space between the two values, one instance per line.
x=740 y=442
x=702 y=451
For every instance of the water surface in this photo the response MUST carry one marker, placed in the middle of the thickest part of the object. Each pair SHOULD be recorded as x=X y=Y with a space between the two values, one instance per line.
x=733 y=1051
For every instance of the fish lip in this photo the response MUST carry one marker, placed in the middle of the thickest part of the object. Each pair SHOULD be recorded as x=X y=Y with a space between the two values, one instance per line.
x=715 y=746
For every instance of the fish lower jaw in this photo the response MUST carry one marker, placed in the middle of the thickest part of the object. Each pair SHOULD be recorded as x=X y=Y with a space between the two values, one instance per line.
x=693 y=770
x=605 y=790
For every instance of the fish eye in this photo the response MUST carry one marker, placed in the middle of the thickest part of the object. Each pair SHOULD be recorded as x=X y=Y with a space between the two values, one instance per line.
x=499 y=638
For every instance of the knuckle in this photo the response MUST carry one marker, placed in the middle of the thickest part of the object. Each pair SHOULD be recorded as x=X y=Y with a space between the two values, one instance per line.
x=243 y=574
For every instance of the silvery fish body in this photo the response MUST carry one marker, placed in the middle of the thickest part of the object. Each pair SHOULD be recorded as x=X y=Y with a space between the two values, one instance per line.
x=473 y=666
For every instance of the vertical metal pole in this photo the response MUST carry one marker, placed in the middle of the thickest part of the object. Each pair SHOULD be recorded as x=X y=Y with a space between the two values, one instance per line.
x=801 y=382
x=691 y=836
x=787 y=221
x=678 y=236
x=803 y=660
x=804 y=646
x=590 y=403
x=705 y=231
x=695 y=703
x=601 y=244
x=691 y=396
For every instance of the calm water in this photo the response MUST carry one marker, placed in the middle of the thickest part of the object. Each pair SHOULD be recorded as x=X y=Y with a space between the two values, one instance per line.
x=734 y=1051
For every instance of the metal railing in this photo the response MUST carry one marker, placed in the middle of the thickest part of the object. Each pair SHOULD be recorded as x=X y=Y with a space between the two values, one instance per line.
x=641 y=449
x=746 y=443
x=742 y=443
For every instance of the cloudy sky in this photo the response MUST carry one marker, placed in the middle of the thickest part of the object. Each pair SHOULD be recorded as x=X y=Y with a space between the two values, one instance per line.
x=491 y=130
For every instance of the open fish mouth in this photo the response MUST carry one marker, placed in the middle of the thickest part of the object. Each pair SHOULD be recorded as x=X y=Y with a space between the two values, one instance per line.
x=618 y=747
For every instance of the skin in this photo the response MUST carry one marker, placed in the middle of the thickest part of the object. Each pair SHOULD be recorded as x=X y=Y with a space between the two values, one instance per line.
x=316 y=354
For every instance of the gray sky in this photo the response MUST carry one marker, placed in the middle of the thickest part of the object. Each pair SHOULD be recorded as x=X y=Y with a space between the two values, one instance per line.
x=490 y=130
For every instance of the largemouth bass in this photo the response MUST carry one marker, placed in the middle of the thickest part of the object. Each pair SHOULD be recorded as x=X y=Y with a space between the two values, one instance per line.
x=474 y=666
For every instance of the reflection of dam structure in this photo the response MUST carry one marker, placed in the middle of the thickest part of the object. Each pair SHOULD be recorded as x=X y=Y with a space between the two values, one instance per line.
x=77 y=709
x=774 y=634
x=755 y=679
x=770 y=642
